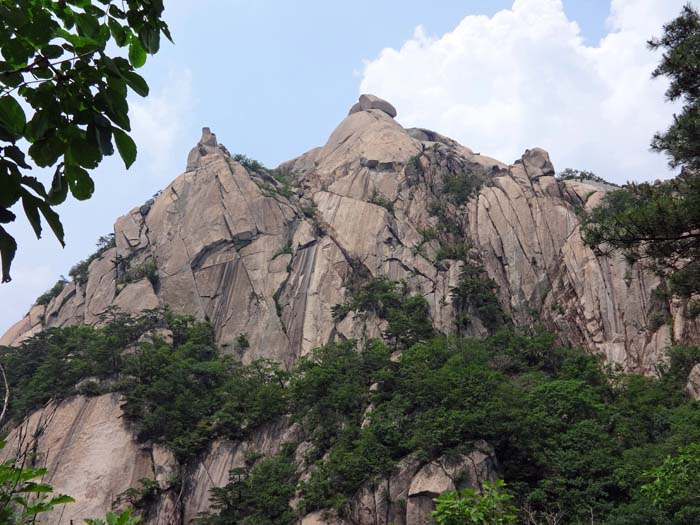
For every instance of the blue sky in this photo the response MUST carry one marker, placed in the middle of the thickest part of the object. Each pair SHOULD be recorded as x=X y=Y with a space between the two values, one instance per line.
x=272 y=80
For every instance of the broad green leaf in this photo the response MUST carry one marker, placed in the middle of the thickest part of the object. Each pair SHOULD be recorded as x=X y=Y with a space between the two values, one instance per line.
x=17 y=52
x=6 y=216
x=30 y=203
x=12 y=116
x=53 y=220
x=52 y=51
x=17 y=155
x=9 y=184
x=84 y=151
x=88 y=25
x=79 y=182
x=137 y=54
x=117 y=31
x=101 y=129
x=136 y=82
x=33 y=183
x=61 y=500
x=59 y=187
x=38 y=125
x=46 y=152
x=126 y=147
x=36 y=488
x=150 y=38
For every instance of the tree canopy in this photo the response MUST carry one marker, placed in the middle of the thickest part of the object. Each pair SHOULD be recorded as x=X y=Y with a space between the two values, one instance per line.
x=63 y=99
x=660 y=223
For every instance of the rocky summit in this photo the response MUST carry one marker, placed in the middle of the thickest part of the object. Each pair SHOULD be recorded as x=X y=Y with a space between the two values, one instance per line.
x=270 y=253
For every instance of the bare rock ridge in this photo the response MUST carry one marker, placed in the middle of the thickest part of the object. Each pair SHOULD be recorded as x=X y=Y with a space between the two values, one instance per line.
x=231 y=243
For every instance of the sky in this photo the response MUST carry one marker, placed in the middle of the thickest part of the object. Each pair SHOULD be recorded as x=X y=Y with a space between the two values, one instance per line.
x=272 y=79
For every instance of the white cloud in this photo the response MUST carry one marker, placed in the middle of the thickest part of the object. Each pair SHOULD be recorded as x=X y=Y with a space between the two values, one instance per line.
x=525 y=78
x=160 y=121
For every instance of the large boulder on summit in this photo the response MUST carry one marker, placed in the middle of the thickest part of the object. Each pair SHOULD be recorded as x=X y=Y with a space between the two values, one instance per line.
x=368 y=102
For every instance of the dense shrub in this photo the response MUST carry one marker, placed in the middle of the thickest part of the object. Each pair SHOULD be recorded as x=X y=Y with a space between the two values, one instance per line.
x=256 y=495
x=408 y=315
x=79 y=271
x=147 y=269
x=45 y=298
x=182 y=395
x=474 y=296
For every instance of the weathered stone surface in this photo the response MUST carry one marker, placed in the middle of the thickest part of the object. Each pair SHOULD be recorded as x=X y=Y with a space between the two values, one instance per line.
x=406 y=496
x=89 y=452
x=368 y=102
x=692 y=387
x=447 y=474
x=223 y=456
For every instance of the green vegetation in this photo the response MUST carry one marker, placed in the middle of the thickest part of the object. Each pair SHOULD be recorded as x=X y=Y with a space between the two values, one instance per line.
x=575 y=440
x=474 y=296
x=693 y=309
x=379 y=200
x=680 y=62
x=676 y=484
x=408 y=315
x=582 y=175
x=281 y=182
x=183 y=395
x=257 y=494
x=460 y=187
x=147 y=269
x=79 y=271
x=285 y=250
x=23 y=493
x=249 y=164
x=45 y=298
x=491 y=507
x=140 y=497
x=57 y=66
x=658 y=224
x=287 y=181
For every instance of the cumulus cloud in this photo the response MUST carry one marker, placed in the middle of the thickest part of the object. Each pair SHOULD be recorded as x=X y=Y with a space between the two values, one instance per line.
x=524 y=77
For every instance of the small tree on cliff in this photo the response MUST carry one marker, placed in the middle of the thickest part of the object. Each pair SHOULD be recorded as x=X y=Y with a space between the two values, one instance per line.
x=659 y=224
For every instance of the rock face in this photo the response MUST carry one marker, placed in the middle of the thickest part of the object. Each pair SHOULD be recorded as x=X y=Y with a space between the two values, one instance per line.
x=228 y=242
x=89 y=453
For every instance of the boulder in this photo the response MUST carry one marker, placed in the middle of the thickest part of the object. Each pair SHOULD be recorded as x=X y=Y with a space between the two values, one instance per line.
x=692 y=387
x=368 y=102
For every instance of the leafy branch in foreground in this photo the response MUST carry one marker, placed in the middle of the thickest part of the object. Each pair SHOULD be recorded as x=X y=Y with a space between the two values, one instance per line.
x=56 y=66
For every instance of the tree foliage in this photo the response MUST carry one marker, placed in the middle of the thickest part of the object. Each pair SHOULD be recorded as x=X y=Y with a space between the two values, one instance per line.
x=63 y=99
x=675 y=486
x=660 y=223
x=680 y=43
x=467 y=507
